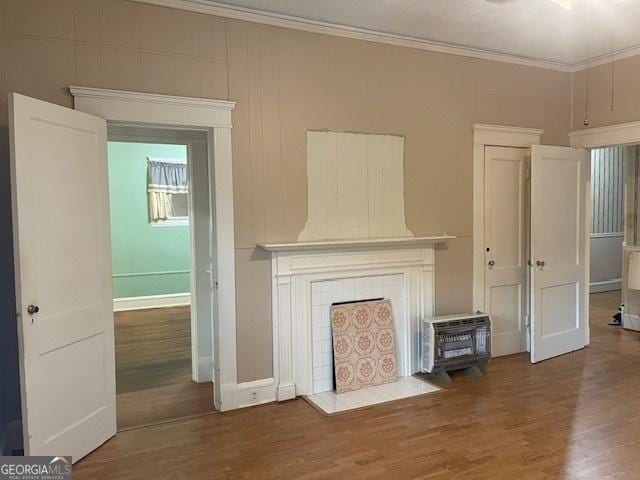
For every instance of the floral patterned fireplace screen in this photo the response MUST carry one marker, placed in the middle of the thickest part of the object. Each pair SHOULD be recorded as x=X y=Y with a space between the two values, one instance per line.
x=364 y=345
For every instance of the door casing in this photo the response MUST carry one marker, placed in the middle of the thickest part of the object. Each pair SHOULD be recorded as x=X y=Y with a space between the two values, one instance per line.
x=214 y=117
x=505 y=136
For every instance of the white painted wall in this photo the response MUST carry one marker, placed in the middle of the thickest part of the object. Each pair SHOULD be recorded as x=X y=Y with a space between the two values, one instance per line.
x=606 y=262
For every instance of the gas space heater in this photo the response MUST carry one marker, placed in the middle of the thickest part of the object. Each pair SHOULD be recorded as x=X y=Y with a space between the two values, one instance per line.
x=453 y=342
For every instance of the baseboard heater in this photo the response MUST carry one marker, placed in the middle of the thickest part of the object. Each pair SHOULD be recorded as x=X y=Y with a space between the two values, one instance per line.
x=454 y=342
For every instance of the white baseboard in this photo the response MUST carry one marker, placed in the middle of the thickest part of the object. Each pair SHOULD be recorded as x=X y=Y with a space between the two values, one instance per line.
x=630 y=321
x=256 y=392
x=151 y=301
x=286 y=392
x=247 y=394
x=606 y=286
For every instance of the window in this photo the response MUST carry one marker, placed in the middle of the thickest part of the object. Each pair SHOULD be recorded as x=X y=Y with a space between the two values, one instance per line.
x=168 y=190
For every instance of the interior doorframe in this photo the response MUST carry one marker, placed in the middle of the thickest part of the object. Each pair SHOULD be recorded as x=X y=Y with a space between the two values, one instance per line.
x=606 y=136
x=117 y=132
x=485 y=135
x=213 y=116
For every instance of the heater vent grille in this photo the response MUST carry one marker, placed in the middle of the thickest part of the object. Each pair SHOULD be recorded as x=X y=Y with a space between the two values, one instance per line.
x=454 y=342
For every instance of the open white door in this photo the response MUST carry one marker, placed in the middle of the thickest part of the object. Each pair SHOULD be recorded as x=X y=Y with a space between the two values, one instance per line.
x=559 y=179
x=63 y=277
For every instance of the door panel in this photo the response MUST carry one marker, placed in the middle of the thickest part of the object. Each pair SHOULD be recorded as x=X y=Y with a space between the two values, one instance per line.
x=505 y=247
x=505 y=307
x=63 y=266
x=559 y=177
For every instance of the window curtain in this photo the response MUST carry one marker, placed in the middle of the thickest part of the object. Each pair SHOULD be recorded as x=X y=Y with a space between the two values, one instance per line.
x=163 y=180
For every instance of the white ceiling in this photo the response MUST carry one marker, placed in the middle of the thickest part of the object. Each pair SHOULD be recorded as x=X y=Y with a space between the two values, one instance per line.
x=533 y=29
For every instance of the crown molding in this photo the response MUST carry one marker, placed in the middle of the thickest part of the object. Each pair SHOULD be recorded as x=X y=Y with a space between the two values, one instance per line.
x=314 y=26
x=297 y=23
x=605 y=59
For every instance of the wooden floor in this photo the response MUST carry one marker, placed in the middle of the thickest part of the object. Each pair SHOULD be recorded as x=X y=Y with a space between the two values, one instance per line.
x=573 y=417
x=153 y=368
x=153 y=348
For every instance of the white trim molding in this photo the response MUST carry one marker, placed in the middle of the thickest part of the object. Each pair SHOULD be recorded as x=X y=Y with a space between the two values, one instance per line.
x=213 y=117
x=256 y=392
x=605 y=286
x=328 y=245
x=505 y=136
x=220 y=9
x=497 y=136
x=293 y=273
x=297 y=23
x=154 y=109
x=619 y=134
x=151 y=301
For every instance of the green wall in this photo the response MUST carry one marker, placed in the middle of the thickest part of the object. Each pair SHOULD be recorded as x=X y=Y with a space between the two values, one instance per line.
x=146 y=259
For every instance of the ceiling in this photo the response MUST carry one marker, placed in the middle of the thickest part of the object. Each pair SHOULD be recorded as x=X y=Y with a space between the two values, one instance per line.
x=531 y=29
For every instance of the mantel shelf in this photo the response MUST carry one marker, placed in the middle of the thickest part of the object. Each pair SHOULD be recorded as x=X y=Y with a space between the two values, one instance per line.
x=356 y=244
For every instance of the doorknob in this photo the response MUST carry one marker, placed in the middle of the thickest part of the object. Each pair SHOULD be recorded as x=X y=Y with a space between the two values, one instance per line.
x=33 y=309
x=540 y=263
x=492 y=263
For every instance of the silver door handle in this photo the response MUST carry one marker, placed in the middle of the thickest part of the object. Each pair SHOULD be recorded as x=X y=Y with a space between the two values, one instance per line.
x=491 y=263
x=33 y=309
x=540 y=263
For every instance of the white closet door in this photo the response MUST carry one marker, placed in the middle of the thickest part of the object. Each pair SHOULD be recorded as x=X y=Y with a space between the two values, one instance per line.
x=505 y=288
x=63 y=277
x=559 y=180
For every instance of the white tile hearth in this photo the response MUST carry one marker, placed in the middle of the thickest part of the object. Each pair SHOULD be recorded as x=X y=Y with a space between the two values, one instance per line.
x=405 y=387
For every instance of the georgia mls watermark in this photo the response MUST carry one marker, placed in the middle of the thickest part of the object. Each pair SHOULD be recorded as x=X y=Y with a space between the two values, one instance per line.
x=35 y=468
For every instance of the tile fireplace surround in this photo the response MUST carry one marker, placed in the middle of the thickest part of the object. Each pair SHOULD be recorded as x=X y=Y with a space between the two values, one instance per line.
x=308 y=276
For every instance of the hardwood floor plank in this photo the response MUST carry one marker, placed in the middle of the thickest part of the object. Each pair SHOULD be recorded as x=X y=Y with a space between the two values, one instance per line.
x=153 y=348
x=153 y=368
x=571 y=417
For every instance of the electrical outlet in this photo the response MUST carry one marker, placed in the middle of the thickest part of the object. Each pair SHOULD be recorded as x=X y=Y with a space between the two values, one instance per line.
x=254 y=395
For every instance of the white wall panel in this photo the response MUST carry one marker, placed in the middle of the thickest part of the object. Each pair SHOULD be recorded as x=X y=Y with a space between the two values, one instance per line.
x=355 y=186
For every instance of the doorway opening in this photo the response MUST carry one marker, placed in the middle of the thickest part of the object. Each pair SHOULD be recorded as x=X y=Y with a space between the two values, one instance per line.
x=614 y=235
x=161 y=260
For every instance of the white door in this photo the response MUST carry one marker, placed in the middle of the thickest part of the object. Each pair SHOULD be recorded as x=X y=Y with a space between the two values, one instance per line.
x=559 y=180
x=505 y=257
x=63 y=277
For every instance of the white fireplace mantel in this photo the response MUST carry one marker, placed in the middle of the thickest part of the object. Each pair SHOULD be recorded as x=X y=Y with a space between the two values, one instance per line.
x=296 y=266
x=356 y=244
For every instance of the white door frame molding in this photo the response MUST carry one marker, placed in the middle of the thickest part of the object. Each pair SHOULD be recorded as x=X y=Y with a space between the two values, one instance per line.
x=214 y=117
x=496 y=136
x=607 y=136
x=618 y=134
